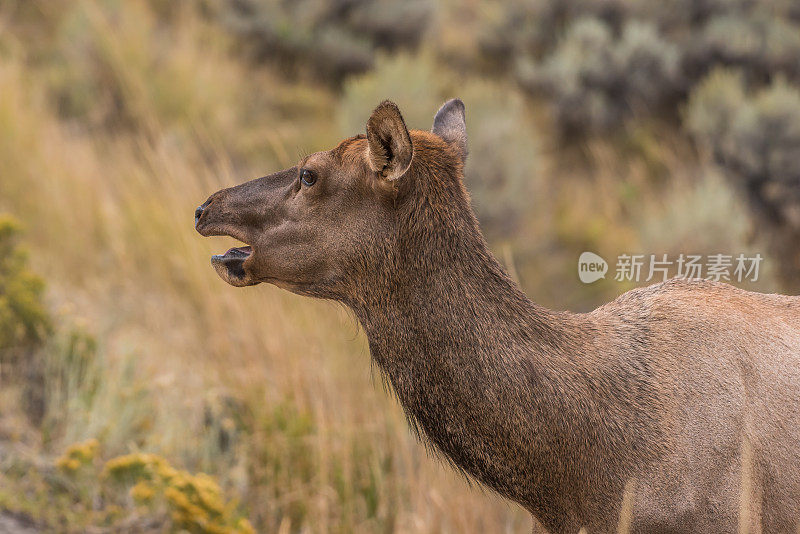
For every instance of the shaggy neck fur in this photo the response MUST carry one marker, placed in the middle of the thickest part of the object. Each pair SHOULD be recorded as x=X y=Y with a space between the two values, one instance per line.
x=494 y=381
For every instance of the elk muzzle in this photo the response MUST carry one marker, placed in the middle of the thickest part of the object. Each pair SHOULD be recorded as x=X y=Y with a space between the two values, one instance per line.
x=212 y=218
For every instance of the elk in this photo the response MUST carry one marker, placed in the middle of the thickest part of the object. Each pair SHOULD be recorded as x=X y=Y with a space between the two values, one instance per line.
x=679 y=401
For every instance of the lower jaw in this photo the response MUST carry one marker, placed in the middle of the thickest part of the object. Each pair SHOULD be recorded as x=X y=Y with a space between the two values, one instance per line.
x=231 y=269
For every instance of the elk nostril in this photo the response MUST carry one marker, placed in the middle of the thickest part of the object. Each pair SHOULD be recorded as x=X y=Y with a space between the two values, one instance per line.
x=197 y=213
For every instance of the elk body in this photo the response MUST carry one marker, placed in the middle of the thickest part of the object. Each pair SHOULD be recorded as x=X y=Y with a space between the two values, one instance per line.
x=681 y=399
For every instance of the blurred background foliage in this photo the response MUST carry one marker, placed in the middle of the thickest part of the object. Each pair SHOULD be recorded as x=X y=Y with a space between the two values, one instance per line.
x=616 y=126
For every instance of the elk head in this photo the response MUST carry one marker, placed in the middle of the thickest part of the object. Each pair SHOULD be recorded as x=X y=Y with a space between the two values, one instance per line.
x=318 y=226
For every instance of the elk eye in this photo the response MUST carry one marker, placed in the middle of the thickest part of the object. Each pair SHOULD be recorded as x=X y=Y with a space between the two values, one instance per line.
x=308 y=177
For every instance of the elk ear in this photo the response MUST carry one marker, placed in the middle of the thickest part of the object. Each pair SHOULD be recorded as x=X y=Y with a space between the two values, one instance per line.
x=450 y=124
x=390 y=147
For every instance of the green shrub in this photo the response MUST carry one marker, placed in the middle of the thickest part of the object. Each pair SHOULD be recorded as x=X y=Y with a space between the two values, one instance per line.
x=712 y=107
x=595 y=81
x=24 y=320
x=194 y=502
x=600 y=63
x=755 y=137
x=25 y=324
x=534 y=28
x=760 y=43
x=329 y=39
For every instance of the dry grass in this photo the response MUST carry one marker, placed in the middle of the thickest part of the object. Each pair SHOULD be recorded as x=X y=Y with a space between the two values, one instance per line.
x=108 y=218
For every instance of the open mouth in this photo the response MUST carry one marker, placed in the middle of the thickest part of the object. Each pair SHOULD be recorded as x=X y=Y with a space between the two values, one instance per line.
x=230 y=266
x=232 y=261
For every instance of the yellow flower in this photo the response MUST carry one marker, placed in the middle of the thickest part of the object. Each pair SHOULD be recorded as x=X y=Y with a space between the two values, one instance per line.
x=166 y=472
x=88 y=449
x=78 y=454
x=183 y=505
x=65 y=463
x=244 y=527
x=127 y=464
x=142 y=492
x=195 y=502
x=215 y=528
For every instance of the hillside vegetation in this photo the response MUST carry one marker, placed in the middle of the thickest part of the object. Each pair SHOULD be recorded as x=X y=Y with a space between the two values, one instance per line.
x=139 y=392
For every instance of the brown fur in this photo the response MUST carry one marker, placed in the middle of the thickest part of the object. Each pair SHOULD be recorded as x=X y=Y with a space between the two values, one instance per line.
x=659 y=391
